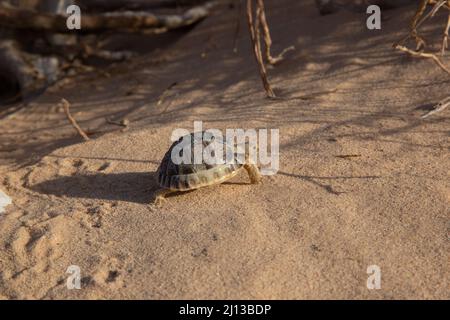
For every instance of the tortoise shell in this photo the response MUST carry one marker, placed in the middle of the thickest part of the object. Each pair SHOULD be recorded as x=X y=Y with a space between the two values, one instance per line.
x=189 y=175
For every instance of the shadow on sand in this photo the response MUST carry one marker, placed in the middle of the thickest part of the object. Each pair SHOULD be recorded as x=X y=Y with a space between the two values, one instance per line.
x=136 y=187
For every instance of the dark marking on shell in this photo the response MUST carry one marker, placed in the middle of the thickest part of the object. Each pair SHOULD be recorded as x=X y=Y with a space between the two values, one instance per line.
x=185 y=184
x=174 y=182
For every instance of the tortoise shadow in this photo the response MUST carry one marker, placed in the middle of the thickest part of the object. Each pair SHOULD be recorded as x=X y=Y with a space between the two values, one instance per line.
x=138 y=187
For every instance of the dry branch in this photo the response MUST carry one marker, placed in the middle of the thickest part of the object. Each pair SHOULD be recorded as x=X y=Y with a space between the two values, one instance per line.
x=414 y=24
x=444 y=103
x=254 y=35
x=165 y=92
x=134 y=5
x=18 y=18
x=72 y=121
x=445 y=40
x=419 y=19
x=267 y=37
x=423 y=55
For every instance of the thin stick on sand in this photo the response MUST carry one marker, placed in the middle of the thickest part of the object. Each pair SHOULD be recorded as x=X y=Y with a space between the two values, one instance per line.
x=444 y=103
x=165 y=92
x=72 y=121
x=254 y=35
x=445 y=40
x=423 y=55
x=267 y=38
x=418 y=20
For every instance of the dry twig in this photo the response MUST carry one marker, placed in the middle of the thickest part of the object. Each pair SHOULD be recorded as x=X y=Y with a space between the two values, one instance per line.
x=72 y=121
x=445 y=40
x=19 y=18
x=267 y=38
x=444 y=103
x=255 y=26
x=423 y=55
x=255 y=35
x=165 y=92
x=415 y=24
x=418 y=20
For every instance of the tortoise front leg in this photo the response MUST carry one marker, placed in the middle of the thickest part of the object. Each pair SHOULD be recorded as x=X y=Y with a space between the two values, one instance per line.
x=253 y=173
x=160 y=196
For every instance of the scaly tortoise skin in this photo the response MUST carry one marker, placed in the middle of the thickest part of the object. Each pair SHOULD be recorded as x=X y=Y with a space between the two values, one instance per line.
x=173 y=177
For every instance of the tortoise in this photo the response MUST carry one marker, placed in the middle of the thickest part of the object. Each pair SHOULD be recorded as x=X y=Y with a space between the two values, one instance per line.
x=173 y=177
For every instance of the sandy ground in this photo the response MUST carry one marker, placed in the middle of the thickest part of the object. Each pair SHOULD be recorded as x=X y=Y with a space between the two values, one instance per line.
x=308 y=232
